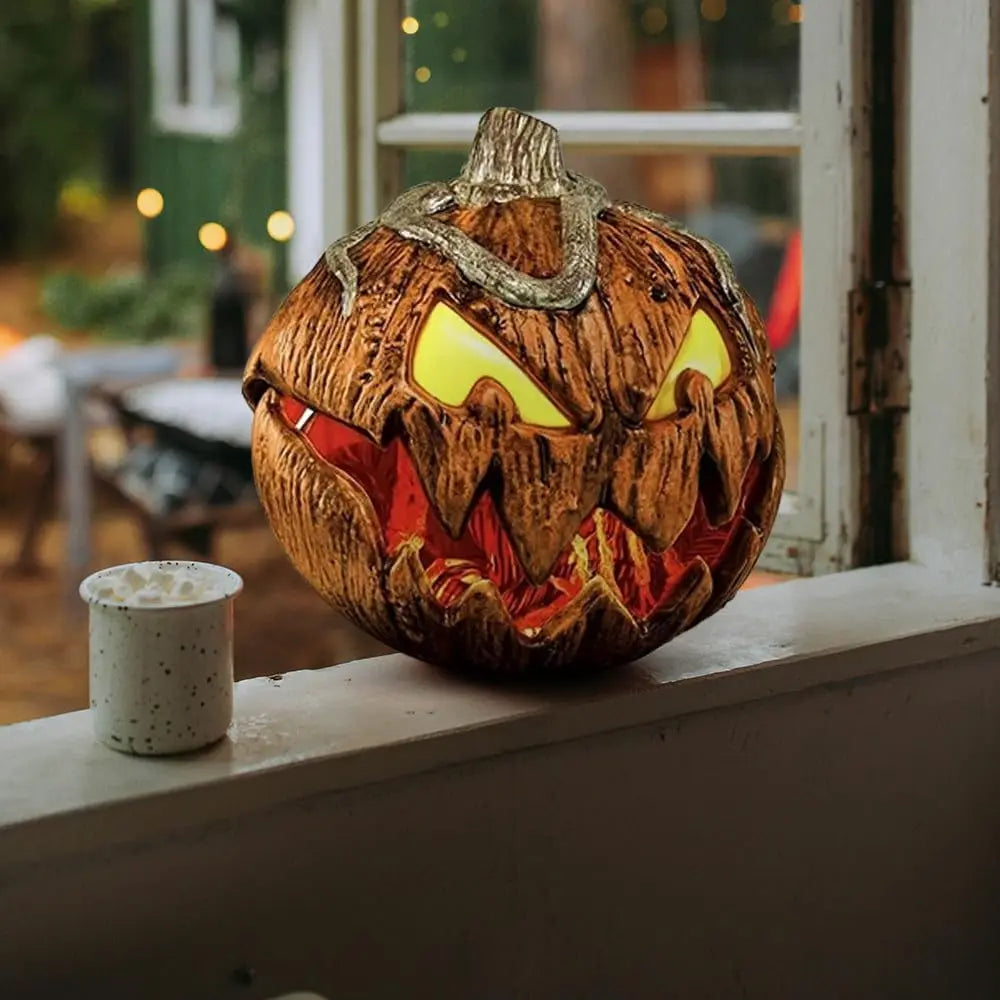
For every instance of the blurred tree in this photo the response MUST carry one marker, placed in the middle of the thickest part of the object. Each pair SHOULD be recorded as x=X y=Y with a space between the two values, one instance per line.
x=112 y=76
x=50 y=116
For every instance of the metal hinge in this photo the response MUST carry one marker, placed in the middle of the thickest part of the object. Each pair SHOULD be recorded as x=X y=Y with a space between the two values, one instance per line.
x=879 y=350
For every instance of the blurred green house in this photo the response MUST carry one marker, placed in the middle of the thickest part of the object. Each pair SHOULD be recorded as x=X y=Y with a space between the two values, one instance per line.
x=211 y=132
x=236 y=106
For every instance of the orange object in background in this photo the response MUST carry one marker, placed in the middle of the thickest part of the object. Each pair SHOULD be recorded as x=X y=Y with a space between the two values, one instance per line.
x=783 y=315
x=9 y=338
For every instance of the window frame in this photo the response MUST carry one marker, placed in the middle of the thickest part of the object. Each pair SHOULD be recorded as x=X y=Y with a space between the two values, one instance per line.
x=198 y=116
x=809 y=535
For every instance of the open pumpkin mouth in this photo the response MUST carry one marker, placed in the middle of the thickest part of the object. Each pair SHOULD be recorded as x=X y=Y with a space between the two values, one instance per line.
x=604 y=545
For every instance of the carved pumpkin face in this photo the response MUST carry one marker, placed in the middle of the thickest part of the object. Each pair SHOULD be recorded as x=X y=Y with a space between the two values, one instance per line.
x=511 y=426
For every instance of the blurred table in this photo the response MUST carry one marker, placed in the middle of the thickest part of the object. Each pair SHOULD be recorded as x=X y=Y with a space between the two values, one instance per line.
x=187 y=471
x=210 y=410
x=82 y=371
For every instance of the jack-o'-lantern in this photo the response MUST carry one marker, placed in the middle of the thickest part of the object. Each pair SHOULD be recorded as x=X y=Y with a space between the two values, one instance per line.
x=512 y=426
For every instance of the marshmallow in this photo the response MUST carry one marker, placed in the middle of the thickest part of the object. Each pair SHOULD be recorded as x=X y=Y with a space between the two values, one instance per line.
x=133 y=579
x=164 y=581
x=164 y=586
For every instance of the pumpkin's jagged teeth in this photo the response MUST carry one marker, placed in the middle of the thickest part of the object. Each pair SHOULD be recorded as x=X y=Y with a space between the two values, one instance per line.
x=597 y=608
x=640 y=562
x=303 y=422
x=579 y=558
x=408 y=593
x=610 y=552
x=748 y=539
x=478 y=595
x=746 y=545
x=605 y=553
x=449 y=579
x=688 y=599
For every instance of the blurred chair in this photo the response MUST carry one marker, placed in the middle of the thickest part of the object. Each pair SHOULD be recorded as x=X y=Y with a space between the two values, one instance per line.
x=187 y=470
x=47 y=406
x=32 y=406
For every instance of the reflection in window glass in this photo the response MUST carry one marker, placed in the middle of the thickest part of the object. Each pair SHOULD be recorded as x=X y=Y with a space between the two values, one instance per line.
x=653 y=55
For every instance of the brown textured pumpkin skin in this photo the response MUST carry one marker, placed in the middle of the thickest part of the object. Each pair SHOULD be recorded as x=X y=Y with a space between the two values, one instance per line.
x=604 y=361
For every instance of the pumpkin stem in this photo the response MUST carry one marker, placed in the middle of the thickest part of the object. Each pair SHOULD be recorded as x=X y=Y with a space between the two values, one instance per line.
x=513 y=156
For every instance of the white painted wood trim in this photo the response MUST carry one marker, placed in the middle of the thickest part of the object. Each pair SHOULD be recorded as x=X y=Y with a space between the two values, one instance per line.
x=213 y=122
x=201 y=47
x=167 y=113
x=379 y=97
x=318 y=132
x=367 y=98
x=163 y=28
x=992 y=561
x=952 y=205
x=832 y=104
x=815 y=527
x=392 y=716
x=726 y=133
x=799 y=527
x=335 y=84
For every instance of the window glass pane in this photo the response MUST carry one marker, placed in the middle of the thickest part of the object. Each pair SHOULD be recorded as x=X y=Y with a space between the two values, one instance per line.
x=657 y=55
x=749 y=206
x=226 y=67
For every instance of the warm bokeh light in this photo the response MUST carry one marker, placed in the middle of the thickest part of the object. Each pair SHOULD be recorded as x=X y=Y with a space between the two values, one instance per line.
x=212 y=236
x=410 y=25
x=713 y=10
x=795 y=13
x=82 y=199
x=280 y=226
x=149 y=202
x=423 y=74
x=441 y=19
x=9 y=338
x=653 y=20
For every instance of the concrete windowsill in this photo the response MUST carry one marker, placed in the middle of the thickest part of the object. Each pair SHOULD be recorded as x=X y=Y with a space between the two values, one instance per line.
x=373 y=720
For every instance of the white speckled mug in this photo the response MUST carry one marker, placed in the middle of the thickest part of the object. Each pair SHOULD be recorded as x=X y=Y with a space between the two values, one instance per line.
x=161 y=675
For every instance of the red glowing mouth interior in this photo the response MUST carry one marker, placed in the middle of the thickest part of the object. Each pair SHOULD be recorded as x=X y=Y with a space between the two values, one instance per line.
x=605 y=545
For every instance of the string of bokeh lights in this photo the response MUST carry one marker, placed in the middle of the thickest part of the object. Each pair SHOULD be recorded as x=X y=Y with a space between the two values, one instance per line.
x=653 y=20
x=213 y=235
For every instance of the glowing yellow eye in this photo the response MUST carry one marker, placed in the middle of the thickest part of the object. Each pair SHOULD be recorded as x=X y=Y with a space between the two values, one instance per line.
x=451 y=356
x=702 y=349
